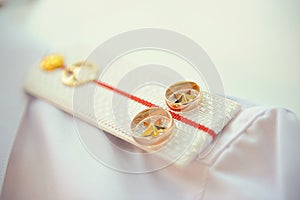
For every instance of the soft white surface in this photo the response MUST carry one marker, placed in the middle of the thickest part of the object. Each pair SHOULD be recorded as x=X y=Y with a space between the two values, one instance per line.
x=256 y=158
x=254 y=44
x=17 y=52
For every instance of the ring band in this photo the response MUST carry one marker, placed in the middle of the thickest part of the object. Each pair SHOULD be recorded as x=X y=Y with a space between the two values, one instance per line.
x=79 y=73
x=152 y=126
x=183 y=96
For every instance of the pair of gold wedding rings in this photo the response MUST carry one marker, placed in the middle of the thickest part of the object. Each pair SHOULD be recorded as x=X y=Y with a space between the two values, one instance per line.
x=153 y=126
x=150 y=127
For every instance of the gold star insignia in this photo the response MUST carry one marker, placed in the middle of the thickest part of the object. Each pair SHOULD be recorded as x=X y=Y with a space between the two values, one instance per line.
x=184 y=98
x=153 y=129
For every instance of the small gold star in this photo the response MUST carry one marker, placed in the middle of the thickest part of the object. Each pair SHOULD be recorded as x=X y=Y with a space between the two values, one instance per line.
x=153 y=129
x=184 y=98
x=52 y=62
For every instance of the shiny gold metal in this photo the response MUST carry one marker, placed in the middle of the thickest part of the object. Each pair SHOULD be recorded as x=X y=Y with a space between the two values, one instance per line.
x=152 y=127
x=52 y=62
x=79 y=73
x=183 y=96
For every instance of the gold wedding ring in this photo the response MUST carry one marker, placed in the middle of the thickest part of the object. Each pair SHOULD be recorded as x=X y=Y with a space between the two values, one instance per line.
x=183 y=96
x=152 y=127
x=79 y=73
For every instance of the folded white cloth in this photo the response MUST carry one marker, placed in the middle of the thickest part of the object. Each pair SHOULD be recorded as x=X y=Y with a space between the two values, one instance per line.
x=255 y=158
x=17 y=51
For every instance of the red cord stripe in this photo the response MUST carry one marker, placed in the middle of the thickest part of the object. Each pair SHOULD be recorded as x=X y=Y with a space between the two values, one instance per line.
x=149 y=104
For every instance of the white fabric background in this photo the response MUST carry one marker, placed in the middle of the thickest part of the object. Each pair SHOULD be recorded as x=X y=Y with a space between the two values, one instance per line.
x=256 y=158
x=221 y=29
x=256 y=38
x=17 y=51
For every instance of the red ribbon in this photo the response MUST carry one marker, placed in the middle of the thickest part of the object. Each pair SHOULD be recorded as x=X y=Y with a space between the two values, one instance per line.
x=149 y=104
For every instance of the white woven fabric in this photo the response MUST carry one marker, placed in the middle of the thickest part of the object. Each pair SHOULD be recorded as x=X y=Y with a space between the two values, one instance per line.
x=95 y=105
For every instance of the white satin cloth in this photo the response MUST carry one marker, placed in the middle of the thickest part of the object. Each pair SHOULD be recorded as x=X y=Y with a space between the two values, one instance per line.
x=257 y=157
